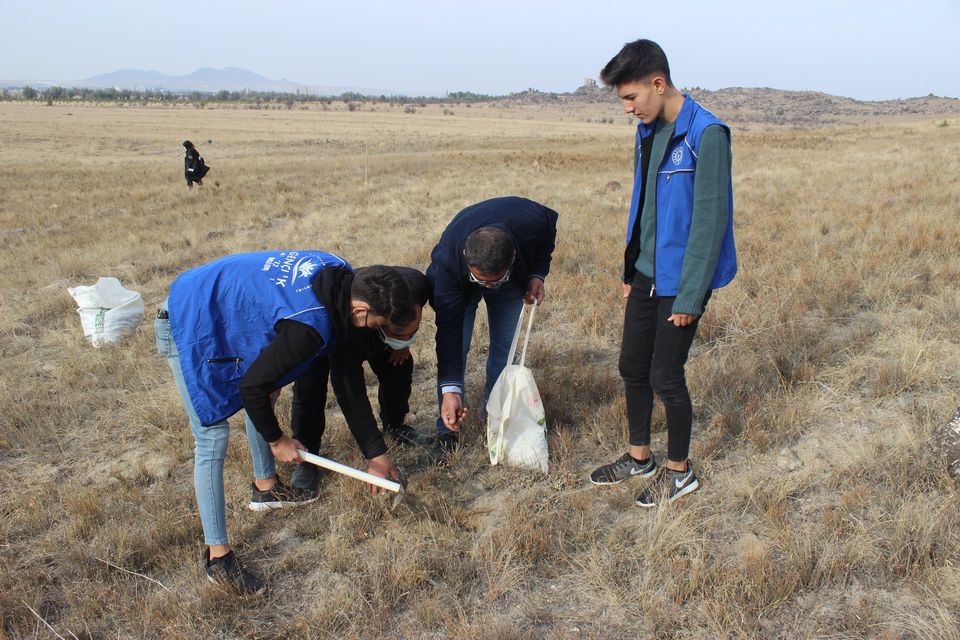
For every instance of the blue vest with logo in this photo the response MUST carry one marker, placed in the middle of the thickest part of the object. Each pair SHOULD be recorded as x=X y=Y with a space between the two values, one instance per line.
x=675 y=200
x=223 y=314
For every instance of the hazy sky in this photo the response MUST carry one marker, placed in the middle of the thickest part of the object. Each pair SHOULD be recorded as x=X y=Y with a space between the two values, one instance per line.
x=867 y=50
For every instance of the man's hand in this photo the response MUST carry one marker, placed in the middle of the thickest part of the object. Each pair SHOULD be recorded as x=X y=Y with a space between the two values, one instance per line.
x=452 y=411
x=626 y=289
x=681 y=319
x=286 y=449
x=382 y=467
x=398 y=356
x=536 y=292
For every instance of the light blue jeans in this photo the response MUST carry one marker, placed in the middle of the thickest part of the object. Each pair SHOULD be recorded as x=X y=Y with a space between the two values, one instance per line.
x=210 y=448
x=503 y=310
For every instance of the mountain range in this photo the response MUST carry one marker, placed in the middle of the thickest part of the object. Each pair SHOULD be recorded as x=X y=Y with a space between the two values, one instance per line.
x=205 y=79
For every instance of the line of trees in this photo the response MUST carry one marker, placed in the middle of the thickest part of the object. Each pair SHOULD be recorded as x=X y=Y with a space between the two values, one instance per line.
x=250 y=97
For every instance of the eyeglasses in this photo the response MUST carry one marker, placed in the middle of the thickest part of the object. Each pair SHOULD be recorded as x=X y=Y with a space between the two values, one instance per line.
x=490 y=284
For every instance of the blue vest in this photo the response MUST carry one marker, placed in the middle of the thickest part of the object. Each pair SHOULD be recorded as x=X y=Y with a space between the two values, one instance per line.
x=223 y=314
x=675 y=200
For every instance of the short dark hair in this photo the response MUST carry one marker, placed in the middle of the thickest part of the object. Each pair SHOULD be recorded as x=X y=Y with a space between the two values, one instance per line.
x=387 y=293
x=419 y=285
x=637 y=60
x=489 y=250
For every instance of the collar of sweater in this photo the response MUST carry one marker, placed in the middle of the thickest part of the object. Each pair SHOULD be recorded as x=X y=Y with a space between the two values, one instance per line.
x=332 y=288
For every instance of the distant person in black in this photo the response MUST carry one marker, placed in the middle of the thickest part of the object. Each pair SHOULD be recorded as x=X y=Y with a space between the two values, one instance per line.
x=194 y=168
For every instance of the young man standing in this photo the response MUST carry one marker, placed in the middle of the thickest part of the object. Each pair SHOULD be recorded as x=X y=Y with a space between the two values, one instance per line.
x=679 y=248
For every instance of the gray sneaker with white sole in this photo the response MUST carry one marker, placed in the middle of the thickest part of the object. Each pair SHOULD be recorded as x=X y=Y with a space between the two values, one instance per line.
x=279 y=496
x=228 y=571
x=674 y=485
x=625 y=467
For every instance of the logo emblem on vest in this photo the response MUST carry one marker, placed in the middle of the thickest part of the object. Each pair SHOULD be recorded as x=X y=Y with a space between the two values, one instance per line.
x=305 y=268
x=677 y=155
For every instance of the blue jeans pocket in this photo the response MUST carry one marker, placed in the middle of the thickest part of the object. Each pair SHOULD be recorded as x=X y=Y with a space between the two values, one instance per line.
x=165 y=346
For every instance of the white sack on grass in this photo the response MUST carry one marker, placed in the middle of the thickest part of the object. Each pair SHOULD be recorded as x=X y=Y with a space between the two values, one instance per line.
x=107 y=310
x=516 y=425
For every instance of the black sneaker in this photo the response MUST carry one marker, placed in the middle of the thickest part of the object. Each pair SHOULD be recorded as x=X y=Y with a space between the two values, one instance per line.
x=445 y=445
x=676 y=484
x=625 y=467
x=277 y=496
x=227 y=571
x=305 y=478
x=407 y=435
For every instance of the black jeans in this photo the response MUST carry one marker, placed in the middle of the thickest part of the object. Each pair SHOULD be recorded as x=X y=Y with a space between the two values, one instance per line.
x=652 y=356
x=307 y=420
x=394 y=383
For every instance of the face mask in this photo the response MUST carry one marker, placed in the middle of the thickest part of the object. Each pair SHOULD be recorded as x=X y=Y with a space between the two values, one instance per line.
x=395 y=343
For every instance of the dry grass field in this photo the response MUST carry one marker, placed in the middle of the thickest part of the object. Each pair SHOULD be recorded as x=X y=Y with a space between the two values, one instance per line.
x=817 y=377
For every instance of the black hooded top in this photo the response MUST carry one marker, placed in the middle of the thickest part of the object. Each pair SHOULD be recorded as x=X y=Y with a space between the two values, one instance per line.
x=284 y=353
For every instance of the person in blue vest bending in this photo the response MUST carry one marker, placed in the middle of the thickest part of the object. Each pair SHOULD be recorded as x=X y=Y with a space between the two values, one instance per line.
x=236 y=330
x=679 y=249
x=388 y=354
x=499 y=251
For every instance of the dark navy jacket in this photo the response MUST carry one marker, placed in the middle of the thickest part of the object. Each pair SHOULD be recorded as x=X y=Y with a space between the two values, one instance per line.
x=224 y=313
x=533 y=228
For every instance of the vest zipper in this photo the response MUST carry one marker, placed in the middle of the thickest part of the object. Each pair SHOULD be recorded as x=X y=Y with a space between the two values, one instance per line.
x=656 y=216
x=236 y=360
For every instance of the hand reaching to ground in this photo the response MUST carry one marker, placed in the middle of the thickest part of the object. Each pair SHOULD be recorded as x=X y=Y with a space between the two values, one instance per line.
x=452 y=411
x=286 y=449
x=382 y=467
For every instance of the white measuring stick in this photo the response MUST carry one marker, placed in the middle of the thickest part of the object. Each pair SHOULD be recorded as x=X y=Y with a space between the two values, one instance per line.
x=326 y=463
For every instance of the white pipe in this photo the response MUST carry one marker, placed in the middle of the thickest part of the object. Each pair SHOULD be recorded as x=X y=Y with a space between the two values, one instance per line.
x=320 y=461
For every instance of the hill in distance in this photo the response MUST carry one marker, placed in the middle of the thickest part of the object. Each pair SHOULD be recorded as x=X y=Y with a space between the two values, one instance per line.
x=763 y=107
x=209 y=80
x=744 y=107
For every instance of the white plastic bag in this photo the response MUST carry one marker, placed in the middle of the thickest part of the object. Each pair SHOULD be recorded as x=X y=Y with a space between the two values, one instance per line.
x=107 y=310
x=516 y=427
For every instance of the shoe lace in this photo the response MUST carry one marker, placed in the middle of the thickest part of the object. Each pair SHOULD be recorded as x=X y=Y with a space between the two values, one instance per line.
x=626 y=462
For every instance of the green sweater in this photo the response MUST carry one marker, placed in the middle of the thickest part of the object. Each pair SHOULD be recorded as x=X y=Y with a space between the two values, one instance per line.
x=709 y=221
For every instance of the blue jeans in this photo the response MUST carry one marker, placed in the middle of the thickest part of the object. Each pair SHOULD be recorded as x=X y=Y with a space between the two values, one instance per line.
x=210 y=448
x=503 y=310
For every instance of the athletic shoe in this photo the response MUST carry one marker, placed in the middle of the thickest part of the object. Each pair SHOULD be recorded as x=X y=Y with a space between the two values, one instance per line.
x=277 y=496
x=445 y=445
x=227 y=571
x=305 y=478
x=675 y=485
x=625 y=467
x=407 y=435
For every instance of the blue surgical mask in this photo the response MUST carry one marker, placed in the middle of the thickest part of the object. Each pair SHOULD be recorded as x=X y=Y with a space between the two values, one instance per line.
x=396 y=343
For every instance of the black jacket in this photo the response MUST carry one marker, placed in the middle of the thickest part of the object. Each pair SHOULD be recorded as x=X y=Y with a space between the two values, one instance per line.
x=332 y=288
x=194 y=168
x=346 y=362
x=533 y=228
